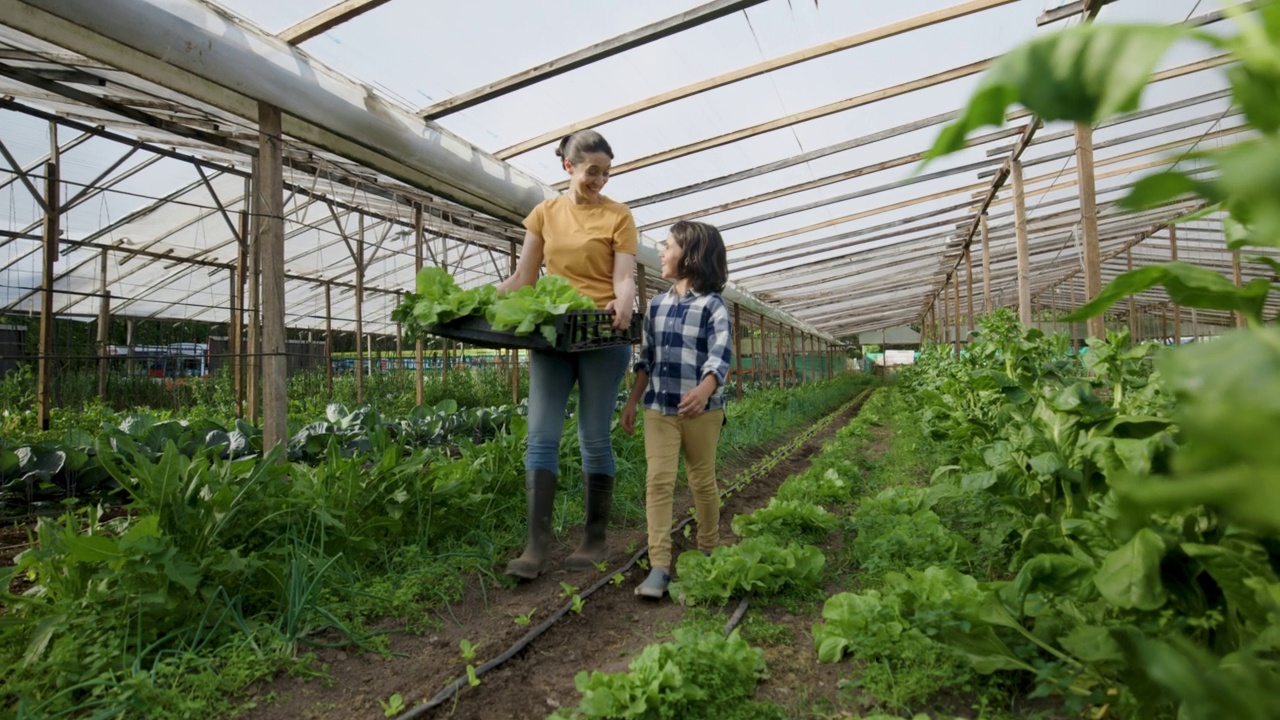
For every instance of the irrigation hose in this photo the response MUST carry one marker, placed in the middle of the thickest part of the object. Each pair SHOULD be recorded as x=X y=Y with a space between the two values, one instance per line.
x=759 y=469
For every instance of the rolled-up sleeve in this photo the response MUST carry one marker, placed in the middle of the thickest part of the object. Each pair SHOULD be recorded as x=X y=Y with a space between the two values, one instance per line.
x=644 y=363
x=719 y=334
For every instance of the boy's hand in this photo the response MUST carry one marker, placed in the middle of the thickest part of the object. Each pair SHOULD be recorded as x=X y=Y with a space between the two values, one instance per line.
x=629 y=418
x=694 y=402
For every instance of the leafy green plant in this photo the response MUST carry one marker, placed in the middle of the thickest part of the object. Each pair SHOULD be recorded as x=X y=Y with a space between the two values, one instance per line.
x=1149 y=539
x=698 y=675
x=787 y=520
x=535 y=307
x=525 y=619
x=761 y=565
x=468 y=650
x=898 y=528
x=392 y=706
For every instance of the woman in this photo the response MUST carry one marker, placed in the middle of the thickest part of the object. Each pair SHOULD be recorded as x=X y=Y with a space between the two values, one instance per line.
x=589 y=240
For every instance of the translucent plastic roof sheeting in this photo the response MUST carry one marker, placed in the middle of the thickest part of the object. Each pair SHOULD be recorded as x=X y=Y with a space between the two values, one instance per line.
x=850 y=240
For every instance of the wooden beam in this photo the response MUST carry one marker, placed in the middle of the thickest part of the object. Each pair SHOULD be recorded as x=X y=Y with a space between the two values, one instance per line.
x=968 y=273
x=804 y=116
x=956 y=288
x=419 y=240
x=1089 y=225
x=49 y=242
x=1133 y=324
x=104 y=330
x=1177 y=309
x=1020 y=227
x=792 y=161
x=1070 y=10
x=586 y=56
x=253 y=383
x=817 y=51
x=328 y=337
x=737 y=346
x=986 y=263
x=270 y=202
x=855 y=216
x=1239 y=282
x=358 y=257
x=911 y=159
x=328 y=19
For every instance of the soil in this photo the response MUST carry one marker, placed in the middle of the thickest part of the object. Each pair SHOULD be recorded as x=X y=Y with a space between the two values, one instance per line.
x=612 y=628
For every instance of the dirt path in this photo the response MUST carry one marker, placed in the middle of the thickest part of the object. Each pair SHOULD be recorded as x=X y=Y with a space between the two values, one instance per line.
x=612 y=628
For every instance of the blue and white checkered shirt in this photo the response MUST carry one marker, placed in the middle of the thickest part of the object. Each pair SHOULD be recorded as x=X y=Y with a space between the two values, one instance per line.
x=685 y=339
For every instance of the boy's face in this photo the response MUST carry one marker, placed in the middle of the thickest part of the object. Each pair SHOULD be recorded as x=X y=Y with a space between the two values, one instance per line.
x=669 y=253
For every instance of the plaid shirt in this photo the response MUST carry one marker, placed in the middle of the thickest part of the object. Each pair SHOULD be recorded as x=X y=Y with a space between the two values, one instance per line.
x=685 y=339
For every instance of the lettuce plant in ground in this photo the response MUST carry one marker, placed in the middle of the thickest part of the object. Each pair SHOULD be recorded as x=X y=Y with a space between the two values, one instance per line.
x=1149 y=549
x=699 y=675
x=786 y=520
x=761 y=565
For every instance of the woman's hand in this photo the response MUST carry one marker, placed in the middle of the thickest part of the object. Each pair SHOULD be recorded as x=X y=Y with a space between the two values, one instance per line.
x=629 y=419
x=624 y=290
x=621 y=313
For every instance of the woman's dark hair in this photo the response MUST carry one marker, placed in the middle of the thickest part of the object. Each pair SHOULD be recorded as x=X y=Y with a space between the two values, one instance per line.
x=703 y=260
x=575 y=146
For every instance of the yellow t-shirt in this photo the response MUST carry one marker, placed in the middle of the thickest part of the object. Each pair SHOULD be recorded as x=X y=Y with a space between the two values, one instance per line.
x=579 y=242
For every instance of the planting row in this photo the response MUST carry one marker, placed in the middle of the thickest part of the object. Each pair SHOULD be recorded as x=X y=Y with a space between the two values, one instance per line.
x=222 y=567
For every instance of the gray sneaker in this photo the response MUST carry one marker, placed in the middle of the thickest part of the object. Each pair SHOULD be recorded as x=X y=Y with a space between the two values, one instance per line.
x=654 y=586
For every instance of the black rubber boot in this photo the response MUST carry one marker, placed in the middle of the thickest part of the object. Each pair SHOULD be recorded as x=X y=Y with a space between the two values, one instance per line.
x=598 y=500
x=540 y=492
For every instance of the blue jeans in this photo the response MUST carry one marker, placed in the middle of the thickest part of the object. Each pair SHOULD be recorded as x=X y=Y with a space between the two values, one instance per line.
x=598 y=374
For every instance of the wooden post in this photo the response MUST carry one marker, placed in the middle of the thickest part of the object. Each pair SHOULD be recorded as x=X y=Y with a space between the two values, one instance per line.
x=328 y=336
x=968 y=277
x=956 y=286
x=760 y=371
x=359 y=258
x=275 y=401
x=1089 y=225
x=419 y=239
x=104 y=331
x=241 y=278
x=1238 y=279
x=946 y=312
x=1164 y=324
x=1177 y=309
x=253 y=353
x=52 y=229
x=782 y=362
x=1133 y=322
x=1075 y=326
x=791 y=360
x=1020 y=229
x=986 y=264
x=399 y=339
x=737 y=346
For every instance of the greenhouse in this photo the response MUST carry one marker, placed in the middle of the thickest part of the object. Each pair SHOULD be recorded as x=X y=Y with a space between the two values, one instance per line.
x=999 y=372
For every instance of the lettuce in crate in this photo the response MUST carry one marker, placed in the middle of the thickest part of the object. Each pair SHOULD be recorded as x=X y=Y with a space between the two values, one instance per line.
x=535 y=307
x=438 y=300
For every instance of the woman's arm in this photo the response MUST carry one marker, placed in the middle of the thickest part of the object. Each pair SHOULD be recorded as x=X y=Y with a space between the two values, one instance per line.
x=624 y=289
x=527 y=268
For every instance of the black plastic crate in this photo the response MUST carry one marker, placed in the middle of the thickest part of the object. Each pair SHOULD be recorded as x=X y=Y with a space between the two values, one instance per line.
x=576 y=331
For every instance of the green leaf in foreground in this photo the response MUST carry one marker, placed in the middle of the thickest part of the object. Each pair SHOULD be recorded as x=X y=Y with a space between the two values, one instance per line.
x=1081 y=74
x=1187 y=285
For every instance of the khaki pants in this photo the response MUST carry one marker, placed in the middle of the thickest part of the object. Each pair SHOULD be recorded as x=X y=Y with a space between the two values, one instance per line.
x=664 y=437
